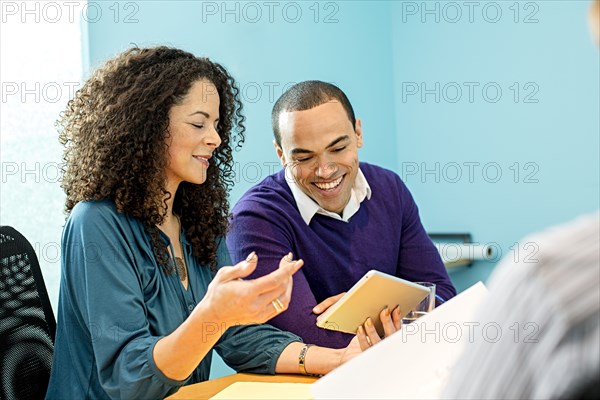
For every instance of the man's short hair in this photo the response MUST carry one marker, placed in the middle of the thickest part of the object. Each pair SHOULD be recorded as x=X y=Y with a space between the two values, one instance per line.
x=306 y=95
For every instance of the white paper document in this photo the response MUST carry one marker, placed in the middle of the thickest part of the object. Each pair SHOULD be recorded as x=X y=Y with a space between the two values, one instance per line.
x=264 y=391
x=413 y=363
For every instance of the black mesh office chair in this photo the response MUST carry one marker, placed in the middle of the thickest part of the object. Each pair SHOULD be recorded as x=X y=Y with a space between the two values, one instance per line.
x=27 y=324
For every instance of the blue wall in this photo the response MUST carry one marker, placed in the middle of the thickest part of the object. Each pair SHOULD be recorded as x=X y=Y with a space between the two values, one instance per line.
x=545 y=143
x=380 y=53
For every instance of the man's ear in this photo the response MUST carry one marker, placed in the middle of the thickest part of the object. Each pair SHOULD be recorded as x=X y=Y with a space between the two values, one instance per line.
x=279 y=152
x=358 y=131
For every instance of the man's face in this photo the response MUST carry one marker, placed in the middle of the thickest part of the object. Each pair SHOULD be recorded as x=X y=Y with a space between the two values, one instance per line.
x=319 y=147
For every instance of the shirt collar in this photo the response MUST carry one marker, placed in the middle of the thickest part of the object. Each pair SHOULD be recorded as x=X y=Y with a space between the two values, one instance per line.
x=308 y=207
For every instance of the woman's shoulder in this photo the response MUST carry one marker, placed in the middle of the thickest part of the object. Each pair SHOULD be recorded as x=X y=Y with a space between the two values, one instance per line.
x=94 y=206
x=94 y=209
x=98 y=212
x=100 y=221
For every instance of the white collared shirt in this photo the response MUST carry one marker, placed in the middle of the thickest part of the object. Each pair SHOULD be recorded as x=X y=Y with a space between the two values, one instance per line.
x=308 y=207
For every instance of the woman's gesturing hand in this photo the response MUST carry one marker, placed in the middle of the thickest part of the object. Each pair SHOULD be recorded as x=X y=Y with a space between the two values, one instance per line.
x=232 y=300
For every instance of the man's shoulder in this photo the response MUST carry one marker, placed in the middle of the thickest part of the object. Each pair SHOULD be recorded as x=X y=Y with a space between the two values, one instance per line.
x=377 y=175
x=375 y=170
x=384 y=181
x=271 y=193
x=266 y=206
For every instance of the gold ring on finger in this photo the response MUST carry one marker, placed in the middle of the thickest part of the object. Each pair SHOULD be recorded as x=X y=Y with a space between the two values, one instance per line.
x=278 y=305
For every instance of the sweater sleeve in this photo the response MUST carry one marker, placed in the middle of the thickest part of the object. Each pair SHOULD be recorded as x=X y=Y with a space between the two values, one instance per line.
x=419 y=260
x=263 y=230
x=104 y=289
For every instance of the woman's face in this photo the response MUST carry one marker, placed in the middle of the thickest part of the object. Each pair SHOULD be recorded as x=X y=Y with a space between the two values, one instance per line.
x=193 y=128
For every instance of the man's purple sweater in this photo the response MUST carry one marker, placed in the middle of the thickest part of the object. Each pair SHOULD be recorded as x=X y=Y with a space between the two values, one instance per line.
x=385 y=234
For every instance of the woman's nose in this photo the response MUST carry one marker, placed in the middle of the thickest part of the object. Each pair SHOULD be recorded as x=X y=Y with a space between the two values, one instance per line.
x=213 y=139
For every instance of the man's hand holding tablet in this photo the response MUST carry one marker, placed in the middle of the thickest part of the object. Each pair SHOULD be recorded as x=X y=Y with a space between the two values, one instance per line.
x=372 y=308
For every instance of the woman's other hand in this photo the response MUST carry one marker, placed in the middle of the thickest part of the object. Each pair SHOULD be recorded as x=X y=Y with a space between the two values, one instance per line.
x=367 y=334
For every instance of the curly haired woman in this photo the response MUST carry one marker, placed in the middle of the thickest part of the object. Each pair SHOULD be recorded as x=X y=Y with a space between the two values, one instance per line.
x=145 y=295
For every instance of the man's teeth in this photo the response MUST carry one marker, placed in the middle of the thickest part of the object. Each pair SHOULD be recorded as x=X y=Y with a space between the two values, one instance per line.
x=329 y=185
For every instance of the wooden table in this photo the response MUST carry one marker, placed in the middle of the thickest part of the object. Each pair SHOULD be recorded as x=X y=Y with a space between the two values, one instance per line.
x=206 y=390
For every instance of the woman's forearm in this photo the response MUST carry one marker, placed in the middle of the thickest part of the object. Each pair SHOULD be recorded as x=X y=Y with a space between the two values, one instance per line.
x=178 y=354
x=318 y=360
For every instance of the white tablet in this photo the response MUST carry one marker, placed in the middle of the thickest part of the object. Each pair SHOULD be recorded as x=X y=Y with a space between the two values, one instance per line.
x=367 y=298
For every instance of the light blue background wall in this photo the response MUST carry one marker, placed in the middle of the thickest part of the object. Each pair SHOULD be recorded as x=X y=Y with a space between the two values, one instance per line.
x=555 y=141
x=376 y=51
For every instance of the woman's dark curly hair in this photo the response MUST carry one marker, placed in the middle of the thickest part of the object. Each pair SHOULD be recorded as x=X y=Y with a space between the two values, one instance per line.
x=114 y=131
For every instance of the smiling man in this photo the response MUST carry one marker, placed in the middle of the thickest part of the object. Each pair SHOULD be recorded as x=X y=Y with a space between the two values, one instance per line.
x=342 y=217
